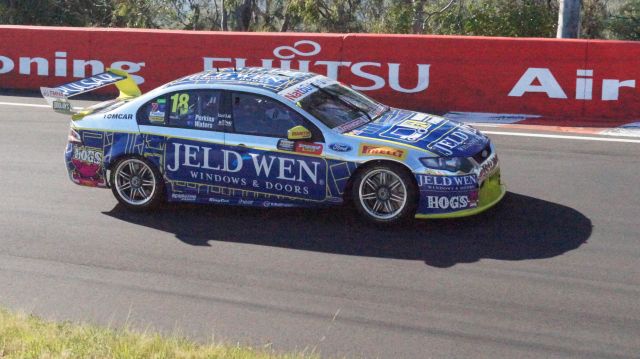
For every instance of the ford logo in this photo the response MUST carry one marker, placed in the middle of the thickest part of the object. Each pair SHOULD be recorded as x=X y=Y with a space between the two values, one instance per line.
x=340 y=147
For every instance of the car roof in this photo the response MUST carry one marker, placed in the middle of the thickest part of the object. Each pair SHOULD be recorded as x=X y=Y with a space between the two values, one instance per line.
x=274 y=80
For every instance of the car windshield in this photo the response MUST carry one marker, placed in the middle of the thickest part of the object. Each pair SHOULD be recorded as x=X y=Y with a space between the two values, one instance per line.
x=342 y=108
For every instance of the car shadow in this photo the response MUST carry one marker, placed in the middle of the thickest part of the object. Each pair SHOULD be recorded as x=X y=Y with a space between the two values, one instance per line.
x=518 y=228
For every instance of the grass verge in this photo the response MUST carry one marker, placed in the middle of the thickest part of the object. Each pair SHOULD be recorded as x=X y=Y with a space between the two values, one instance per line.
x=27 y=336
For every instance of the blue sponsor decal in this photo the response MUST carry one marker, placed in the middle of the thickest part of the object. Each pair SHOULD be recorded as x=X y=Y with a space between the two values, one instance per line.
x=445 y=194
x=340 y=147
x=248 y=170
x=413 y=130
x=272 y=79
x=447 y=183
x=281 y=177
x=90 y=83
x=277 y=204
x=461 y=140
x=286 y=145
x=184 y=197
x=446 y=202
x=432 y=133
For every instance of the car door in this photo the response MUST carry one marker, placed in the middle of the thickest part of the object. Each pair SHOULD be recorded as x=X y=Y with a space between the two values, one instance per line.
x=185 y=131
x=277 y=170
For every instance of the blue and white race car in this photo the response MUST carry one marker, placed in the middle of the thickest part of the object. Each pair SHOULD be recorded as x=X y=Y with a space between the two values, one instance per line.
x=274 y=138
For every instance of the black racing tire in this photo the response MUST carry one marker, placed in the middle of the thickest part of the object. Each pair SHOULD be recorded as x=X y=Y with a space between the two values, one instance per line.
x=385 y=194
x=137 y=183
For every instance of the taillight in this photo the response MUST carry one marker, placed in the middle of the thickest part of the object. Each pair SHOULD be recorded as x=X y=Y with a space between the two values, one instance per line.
x=74 y=137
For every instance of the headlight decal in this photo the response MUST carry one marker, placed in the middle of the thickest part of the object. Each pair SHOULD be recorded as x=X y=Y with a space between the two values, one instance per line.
x=451 y=164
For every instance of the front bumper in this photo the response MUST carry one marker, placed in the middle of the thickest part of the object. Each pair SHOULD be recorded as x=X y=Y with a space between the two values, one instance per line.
x=489 y=193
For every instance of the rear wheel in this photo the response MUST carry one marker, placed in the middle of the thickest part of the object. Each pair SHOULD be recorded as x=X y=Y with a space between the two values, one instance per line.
x=385 y=194
x=136 y=183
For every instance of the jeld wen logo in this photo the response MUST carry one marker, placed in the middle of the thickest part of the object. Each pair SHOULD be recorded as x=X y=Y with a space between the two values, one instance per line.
x=542 y=80
x=229 y=161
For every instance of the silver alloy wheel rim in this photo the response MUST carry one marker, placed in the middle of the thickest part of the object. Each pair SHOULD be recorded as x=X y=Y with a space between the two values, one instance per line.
x=135 y=182
x=383 y=194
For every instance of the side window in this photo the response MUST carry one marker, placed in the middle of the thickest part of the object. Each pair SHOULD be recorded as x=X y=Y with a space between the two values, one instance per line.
x=198 y=110
x=182 y=108
x=262 y=116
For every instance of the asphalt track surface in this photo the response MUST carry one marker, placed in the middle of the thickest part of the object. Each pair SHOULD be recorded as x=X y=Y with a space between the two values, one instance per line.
x=553 y=271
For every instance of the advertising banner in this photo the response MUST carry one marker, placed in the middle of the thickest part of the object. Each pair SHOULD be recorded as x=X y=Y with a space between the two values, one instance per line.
x=577 y=80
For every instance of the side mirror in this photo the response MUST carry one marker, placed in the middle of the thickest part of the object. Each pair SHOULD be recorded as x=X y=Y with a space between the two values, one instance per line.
x=298 y=133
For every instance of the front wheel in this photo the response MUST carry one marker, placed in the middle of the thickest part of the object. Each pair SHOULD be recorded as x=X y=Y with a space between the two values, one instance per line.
x=136 y=183
x=385 y=194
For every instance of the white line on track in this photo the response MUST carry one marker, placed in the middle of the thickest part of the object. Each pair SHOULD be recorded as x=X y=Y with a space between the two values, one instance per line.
x=540 y=135
x=23 y=104
x=521 y=134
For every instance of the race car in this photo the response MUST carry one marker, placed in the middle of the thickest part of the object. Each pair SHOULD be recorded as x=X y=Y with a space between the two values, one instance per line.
x=274 y=138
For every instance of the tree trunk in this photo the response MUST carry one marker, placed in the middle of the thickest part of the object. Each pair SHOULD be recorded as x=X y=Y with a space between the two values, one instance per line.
x=285 y=22
x=267 y=15
x=225 y=20
x=242 y=14
x=569 y=19
x=196 y=17
x=284 y=27
x=246 y=13
x=418 y=16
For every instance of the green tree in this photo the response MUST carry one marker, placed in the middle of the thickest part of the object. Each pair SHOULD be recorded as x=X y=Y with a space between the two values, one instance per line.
x=515 y=18
x=625 y=24
x=594 y=17
x=397 y=18
x=56 y=12
x=326 y=15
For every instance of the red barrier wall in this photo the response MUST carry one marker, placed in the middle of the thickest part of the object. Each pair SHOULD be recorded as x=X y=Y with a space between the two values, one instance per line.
x=580 y=80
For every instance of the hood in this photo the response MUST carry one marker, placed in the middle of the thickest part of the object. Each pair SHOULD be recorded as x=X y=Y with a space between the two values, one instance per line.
x=429 y=132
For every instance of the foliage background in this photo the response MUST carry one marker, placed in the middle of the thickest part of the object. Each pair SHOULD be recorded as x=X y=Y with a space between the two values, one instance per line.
x=603 y=19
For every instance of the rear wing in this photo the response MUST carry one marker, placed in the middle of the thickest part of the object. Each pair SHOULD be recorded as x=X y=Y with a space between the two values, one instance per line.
x=58 y=97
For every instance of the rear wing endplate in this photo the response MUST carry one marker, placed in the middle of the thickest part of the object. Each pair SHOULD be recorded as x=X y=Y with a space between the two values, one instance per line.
x=58 y=97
